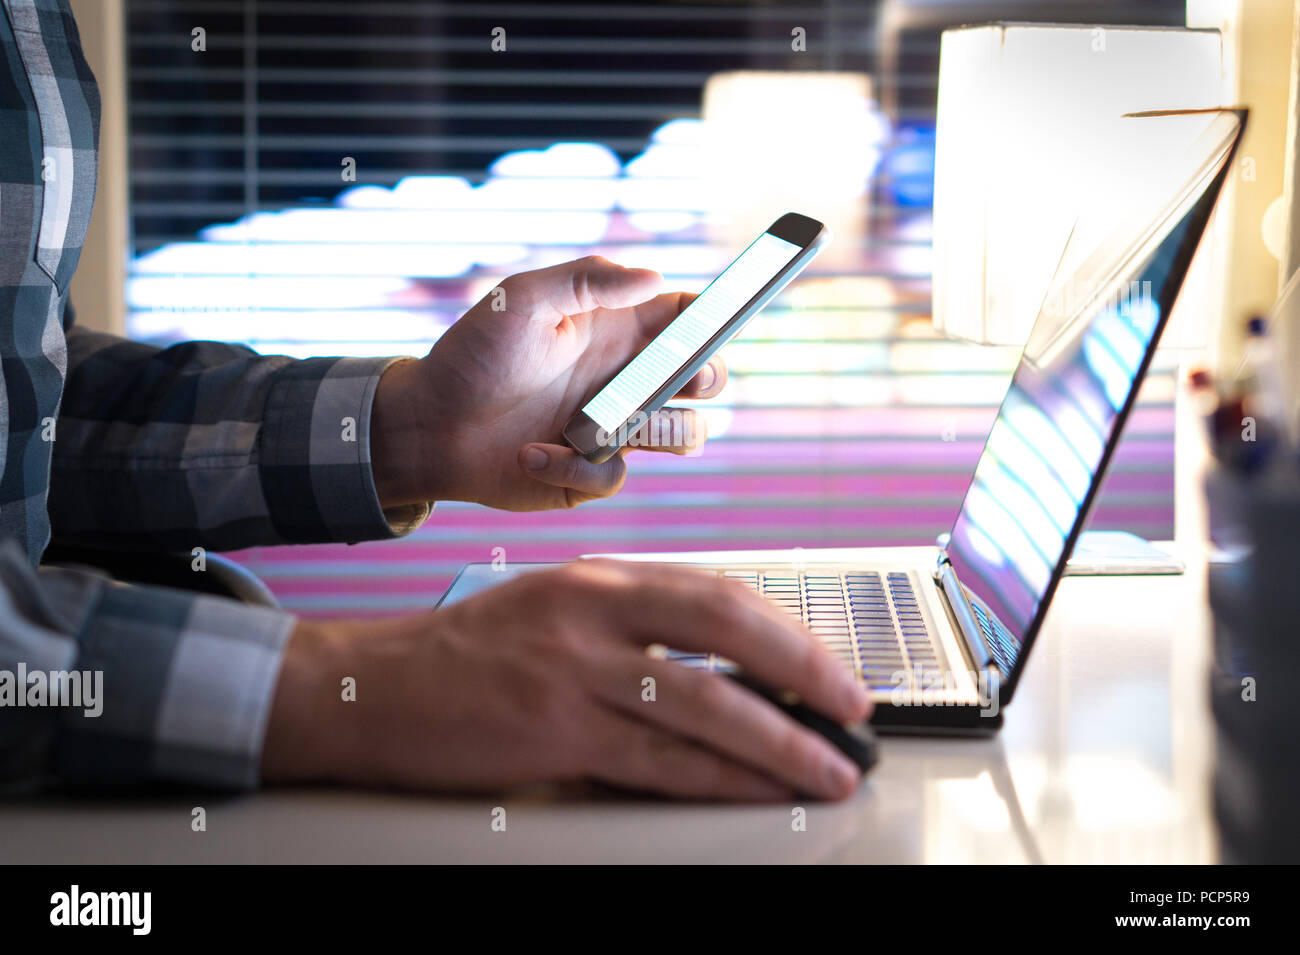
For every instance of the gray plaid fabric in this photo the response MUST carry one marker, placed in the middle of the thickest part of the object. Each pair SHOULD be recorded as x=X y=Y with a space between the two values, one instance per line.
x=118 y=444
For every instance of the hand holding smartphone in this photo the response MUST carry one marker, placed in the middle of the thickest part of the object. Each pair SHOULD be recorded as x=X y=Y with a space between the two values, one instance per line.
x=662 y=368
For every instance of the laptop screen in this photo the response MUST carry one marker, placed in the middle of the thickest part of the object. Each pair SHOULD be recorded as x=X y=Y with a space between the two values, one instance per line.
x=1062 y=413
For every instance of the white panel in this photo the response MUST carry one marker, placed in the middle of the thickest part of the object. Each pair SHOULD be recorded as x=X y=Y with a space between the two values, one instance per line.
x=1025 y=131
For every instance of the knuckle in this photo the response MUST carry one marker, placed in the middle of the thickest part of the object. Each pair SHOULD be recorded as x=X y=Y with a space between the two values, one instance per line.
x=790 y=746
x=580 y=281
x=614 y=474
x=730 y=607
x=577 y=575
x=542 y=587
x=554 y=595
x=514 y=286
x=597 y=571
x=708 y=695
x=575 y=469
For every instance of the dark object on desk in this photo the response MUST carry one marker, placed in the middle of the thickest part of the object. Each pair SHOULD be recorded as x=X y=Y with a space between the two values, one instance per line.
x=221 y=576
x=1256 y=668
x=858 y=742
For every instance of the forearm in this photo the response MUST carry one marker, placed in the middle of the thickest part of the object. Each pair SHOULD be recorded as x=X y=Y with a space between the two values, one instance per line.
x=211 y=445
x=181 y=683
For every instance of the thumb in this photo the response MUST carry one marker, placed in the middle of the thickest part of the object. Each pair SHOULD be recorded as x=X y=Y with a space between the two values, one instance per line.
x=565 y=468
x=580 y=286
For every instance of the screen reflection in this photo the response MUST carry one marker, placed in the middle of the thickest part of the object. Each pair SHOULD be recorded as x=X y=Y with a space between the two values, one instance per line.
x=1046 y=447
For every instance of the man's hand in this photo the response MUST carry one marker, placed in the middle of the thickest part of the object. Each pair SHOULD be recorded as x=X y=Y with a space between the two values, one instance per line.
x=545 y=679
x=480 y=417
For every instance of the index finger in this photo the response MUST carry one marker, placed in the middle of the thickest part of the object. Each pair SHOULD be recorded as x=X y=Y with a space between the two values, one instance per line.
x=655 y=315
x=582 y=285
x=689 y=609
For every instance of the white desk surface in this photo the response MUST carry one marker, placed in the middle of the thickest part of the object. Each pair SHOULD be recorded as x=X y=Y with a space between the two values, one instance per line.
x=1105 y=757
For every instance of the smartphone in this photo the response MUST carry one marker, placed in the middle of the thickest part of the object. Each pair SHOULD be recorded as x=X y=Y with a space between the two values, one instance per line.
x=607 y=422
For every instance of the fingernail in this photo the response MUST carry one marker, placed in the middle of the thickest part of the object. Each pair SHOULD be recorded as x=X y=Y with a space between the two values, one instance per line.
x=535 y=459
x=841 y=775
x=708 y=377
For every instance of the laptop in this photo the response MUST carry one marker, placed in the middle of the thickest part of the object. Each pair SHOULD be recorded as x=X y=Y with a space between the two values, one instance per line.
x=941 y=643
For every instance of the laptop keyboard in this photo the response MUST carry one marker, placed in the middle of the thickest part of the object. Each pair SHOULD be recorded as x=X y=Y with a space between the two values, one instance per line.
x=872 y=623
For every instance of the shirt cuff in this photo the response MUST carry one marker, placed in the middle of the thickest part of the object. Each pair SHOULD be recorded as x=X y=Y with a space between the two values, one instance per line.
x=186 y=692
x=314 y=454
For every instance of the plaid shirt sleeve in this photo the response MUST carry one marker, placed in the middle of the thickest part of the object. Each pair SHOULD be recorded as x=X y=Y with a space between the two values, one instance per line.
x=205 y=444
x=125 y=445
x=175 y=687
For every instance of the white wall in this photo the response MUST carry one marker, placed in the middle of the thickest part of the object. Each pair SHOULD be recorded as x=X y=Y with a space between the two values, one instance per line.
x=98 y=288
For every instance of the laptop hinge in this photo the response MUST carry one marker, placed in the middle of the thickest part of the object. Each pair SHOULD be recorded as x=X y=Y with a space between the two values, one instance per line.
x=946 y=577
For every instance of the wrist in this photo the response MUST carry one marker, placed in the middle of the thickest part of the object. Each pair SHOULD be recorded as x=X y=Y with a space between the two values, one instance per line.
x=406 y=460
x=308 y=734
x=344 y=694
